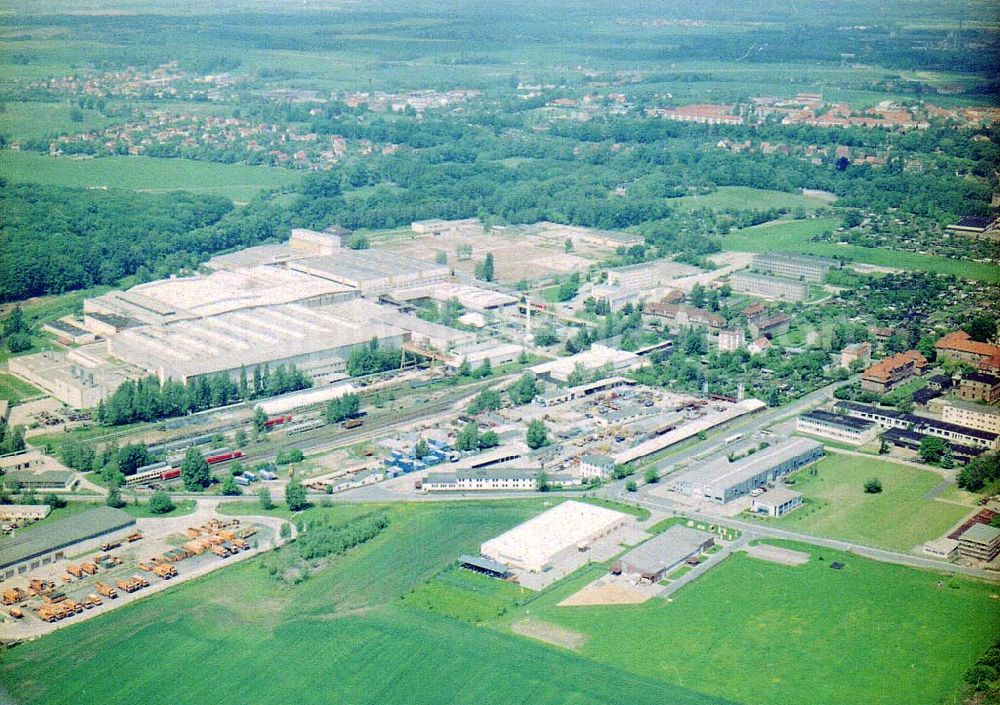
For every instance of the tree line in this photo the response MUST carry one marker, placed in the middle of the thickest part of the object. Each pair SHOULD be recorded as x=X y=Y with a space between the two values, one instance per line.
x=148 y=400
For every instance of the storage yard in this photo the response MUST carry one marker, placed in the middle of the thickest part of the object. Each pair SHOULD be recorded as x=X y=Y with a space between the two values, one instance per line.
x=95 y=561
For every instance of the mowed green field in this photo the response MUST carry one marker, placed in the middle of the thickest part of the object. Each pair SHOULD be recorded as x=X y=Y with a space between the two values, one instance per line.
x=235 y=181
x=763 y=633
x=744 y=197
x=344 y=636
x=795 y=235
x=898 y=518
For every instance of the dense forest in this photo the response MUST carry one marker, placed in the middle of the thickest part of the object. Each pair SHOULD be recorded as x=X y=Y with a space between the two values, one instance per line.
x=57 y=239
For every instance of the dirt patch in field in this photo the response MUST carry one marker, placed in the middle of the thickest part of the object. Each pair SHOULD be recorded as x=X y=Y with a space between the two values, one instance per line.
x=776 y=554
x=604 y=592
x=549 y=633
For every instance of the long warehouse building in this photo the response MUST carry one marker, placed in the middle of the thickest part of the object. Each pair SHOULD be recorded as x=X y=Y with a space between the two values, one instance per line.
x=722 y=481
x=46 y=544
x=311 y=338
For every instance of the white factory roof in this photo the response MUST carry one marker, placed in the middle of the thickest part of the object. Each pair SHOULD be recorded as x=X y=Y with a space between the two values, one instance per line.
x=253 y=257
x=597 y=356
x=307 y=397
x=472 y=297
x=219 y=292
x=533 y=544
x=476 y=352
x=365 y=310
x=367 y=265
x=249 y=338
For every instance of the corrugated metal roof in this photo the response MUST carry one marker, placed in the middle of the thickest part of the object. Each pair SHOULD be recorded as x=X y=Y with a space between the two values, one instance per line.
x=63 y=533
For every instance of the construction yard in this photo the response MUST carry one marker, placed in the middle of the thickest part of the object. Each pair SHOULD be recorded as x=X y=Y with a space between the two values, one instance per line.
x=100 y=575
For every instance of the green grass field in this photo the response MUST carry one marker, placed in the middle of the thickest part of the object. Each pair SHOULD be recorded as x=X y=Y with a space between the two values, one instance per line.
x=392 y=622
x=235 y=181
x=743 y=197
x=794 y=236
x=899 y=518
x=15 y=390
x=343 y=636
x=181 y=508
x=763 y=633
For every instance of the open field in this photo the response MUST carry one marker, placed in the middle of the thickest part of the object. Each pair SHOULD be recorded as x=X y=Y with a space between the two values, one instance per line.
x=235 y=181
x=35 y=120
x=344 y=632
x=15 y=390
x=899 y=518
x=745 y=198
x=763 y=633
x=795 y=235
x=375 y=614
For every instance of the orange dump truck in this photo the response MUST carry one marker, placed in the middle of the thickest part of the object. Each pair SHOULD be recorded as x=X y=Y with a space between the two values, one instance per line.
x=61 y=610
x=165 y=571
x=89 y=568
x=40 y=587
x=75 y=571
x=106 y=590
x=91 y=601
x=13 y=596
x=128 y=585
x=220 y=551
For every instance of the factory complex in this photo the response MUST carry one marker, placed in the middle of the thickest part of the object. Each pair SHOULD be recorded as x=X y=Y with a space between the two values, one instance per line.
x=307 y=302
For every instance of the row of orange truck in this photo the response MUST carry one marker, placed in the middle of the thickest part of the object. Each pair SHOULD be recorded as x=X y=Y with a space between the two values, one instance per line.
x=78 y=571
x=61 y=609
x=136 y=582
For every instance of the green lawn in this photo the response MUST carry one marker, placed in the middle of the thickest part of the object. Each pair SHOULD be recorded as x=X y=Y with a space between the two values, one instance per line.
x=899 y=518
x=344 y=636
x=744 y=197
x=794 y=236
x=181 y=508
x=15 y=390
x=763 y=633
x=235 y=181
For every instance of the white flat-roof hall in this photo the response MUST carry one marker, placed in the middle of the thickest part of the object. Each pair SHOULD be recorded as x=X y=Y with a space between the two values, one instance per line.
x=533 y=545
